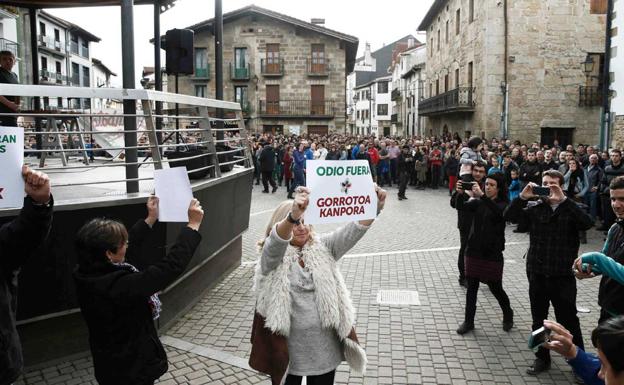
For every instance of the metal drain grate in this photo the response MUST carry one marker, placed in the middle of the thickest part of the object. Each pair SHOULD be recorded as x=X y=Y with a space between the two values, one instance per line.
x=398 y=297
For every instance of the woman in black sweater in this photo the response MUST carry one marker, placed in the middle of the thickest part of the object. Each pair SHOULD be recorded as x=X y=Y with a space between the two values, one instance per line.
x=119 y=303
x=484 y=251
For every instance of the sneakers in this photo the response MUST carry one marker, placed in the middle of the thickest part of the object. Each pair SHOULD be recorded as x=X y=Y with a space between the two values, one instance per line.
x=538 y=367
x=465 y=328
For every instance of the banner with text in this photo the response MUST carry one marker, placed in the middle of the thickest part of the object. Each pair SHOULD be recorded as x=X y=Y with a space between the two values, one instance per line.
x=11 y=159
x=342 y=191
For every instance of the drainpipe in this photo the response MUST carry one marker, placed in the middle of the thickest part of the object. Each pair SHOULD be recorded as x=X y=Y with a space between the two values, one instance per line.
x=505 y=88
x=606 y=106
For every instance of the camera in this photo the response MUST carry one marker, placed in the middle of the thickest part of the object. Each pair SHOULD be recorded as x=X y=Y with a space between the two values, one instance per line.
x=539 y=337
x=541 y=191
x=467 y=186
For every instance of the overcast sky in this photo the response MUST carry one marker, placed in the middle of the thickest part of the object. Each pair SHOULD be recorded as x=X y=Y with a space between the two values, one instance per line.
x=377 y=22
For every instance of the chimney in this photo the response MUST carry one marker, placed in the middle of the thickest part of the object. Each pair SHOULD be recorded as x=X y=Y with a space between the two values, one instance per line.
x=318 y=21
x=368 y=58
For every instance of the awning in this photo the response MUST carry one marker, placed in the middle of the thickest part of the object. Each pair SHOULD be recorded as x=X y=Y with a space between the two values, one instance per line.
x=78 y=3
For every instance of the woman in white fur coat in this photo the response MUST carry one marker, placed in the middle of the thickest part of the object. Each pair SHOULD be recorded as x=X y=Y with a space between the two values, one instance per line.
x=304 y=321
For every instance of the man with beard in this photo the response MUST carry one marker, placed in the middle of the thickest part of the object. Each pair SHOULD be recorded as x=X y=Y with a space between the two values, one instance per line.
x=464 y=217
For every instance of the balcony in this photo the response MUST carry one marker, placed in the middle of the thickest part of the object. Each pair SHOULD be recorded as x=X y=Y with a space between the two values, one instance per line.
x=317 y=67
x=460 y=99
x=84 y=51
x=50 y=43
x=202 y=73
x=52 y=77
x=309 y=109
x=590 y=96
x=239 y=73
x=395 y=95
x=75 y=80
x=86 y=82
x=272 y=67
x=245 y=107
x=8 y=45
x=394 y=118
x=73 y=48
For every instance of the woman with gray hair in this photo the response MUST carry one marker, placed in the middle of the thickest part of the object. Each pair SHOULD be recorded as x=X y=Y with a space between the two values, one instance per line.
x=304 y=320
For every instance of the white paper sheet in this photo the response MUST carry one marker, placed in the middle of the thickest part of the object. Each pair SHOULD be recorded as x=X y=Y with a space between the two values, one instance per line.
x=173 y=189
x=11 y=161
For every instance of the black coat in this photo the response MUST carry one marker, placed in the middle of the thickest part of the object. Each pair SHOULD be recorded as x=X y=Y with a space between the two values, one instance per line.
x=553 y=235
x=464 y=217
x=18 y=239
x=267 y=158
x=114 y=303
x=487 y=230
x=531 y=172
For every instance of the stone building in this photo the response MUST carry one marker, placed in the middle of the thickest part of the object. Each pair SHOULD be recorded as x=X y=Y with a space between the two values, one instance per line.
x=514 y=69
x=289 y=75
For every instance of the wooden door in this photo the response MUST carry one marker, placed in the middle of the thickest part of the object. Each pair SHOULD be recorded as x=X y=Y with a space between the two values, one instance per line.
x=272 y=59
x=318 y=59
x=272 y=99
x=317 y=106
x=318 y=130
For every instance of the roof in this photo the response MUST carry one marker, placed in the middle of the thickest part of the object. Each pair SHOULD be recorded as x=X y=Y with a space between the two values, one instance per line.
x=436 y=7
x=383 y=61
x=78 y=3
x=351 y=42
x=98 y=62
x=71 y=26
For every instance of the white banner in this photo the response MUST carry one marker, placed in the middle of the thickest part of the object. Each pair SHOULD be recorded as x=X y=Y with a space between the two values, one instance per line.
x=173 y=189
x=11 y=161
x=341 y=191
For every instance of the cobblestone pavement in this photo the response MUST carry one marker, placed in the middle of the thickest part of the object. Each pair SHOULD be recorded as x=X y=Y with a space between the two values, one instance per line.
x=412 y=246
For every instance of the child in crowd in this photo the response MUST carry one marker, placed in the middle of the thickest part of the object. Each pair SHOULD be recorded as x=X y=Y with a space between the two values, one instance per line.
x=468 y=156
x=514 y=186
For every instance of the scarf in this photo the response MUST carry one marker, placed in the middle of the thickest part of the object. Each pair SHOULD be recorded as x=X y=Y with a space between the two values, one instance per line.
x=153 y=301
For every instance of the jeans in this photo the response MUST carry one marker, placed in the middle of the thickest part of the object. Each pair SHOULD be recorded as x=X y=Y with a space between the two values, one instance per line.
x=591 y=200
x=499 y=293
x=561 y=291
x=323 y=379
x=299 y=178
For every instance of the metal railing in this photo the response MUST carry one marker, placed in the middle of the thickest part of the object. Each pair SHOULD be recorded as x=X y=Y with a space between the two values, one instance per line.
x=590 y=96
x=272 y=67
x=8 y=45
x=202 y=73
x=240 y=73
x=74 y=48
x=92 y=148
x=75 y=80
x=84 y=51
x=52 y=77
x=51 y=43
x=395 y=95
x=297 y=108
x=317 y=67
x=459 y=99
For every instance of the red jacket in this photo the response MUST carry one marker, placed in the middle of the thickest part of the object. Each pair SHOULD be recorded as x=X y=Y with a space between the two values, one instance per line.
x=374 y=155
x=435 y=154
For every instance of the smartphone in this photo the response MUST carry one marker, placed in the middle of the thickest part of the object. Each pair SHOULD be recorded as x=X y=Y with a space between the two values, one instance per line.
x=541 y=191
x=539 y=337
x=467 y=186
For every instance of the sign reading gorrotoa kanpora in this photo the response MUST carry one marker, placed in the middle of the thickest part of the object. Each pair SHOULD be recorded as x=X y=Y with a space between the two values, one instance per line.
x=11 y=160
x=341 y=191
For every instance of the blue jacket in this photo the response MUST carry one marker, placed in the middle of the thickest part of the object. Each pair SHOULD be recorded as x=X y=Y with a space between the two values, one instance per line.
x=355 y=151
x=309 y=154
x=300 y=160
x=586 y=366
x=514 y=189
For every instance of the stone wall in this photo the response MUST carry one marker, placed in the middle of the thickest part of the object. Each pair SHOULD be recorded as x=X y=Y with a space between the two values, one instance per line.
x=548 y=41
x=255 y=33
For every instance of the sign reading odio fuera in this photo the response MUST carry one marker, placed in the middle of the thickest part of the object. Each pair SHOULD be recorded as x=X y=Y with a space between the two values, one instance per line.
x=341 y=191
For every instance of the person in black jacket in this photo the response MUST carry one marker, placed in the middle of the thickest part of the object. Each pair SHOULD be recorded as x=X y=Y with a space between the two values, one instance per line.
x=405 y=166
x=464 y=217
x=267 y=165
x=615 y=169
x=531 y=170
x=554 y=223
x=18 y=239
x=119 y=303
x=484 y=249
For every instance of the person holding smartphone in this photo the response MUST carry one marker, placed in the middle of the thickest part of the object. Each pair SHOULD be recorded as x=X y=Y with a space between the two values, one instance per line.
x=484 y=249
x=554 y=223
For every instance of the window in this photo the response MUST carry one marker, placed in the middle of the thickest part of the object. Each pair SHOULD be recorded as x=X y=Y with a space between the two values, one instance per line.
x=240 y=96
x=431 y=52
x=42 y=29
x=272 y=59
x=430 y=89
x=58 y=67
x=438 y=39
x=446 y=83
x=457 y=78
x=318 y=59
x=200 y=91
x=470 y=11
x=357 y=114
x=201 y=63
x=85 y=49
x=447 y=32
x=57 y=35
x=598 y=7
x=44 y=63
x=470 y=75
x=382 y=87
x=437 y=86
x=86 y=77
x=457 y=21
x=240 y=58
x=382 y=109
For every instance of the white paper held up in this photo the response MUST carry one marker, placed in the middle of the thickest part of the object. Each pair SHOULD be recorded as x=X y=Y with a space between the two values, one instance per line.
x=173 y=189
x=11 y=159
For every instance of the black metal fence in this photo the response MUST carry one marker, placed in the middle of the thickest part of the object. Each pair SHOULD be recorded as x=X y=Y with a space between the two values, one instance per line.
x=459 y=99
x=291 y=108
x=590 y=96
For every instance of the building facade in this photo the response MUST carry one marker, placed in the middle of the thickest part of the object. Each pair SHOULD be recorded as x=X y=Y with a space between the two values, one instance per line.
x=289 y=75
x=408 y=79
x=369 y=89
x=8 y=33
x=514 y=69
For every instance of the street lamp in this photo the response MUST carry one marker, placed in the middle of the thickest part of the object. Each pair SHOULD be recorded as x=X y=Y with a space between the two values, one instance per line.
x=588 y=65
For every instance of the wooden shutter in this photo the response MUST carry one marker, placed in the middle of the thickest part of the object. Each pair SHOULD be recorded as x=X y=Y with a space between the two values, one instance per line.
x=317 y=93
x=318 y=58
x=598 y=6
x=272 y=58
x=272 y=99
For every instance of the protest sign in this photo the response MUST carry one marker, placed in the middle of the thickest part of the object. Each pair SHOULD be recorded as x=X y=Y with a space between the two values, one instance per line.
x=11 y=159
x=173 y=189
x=341 y=191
